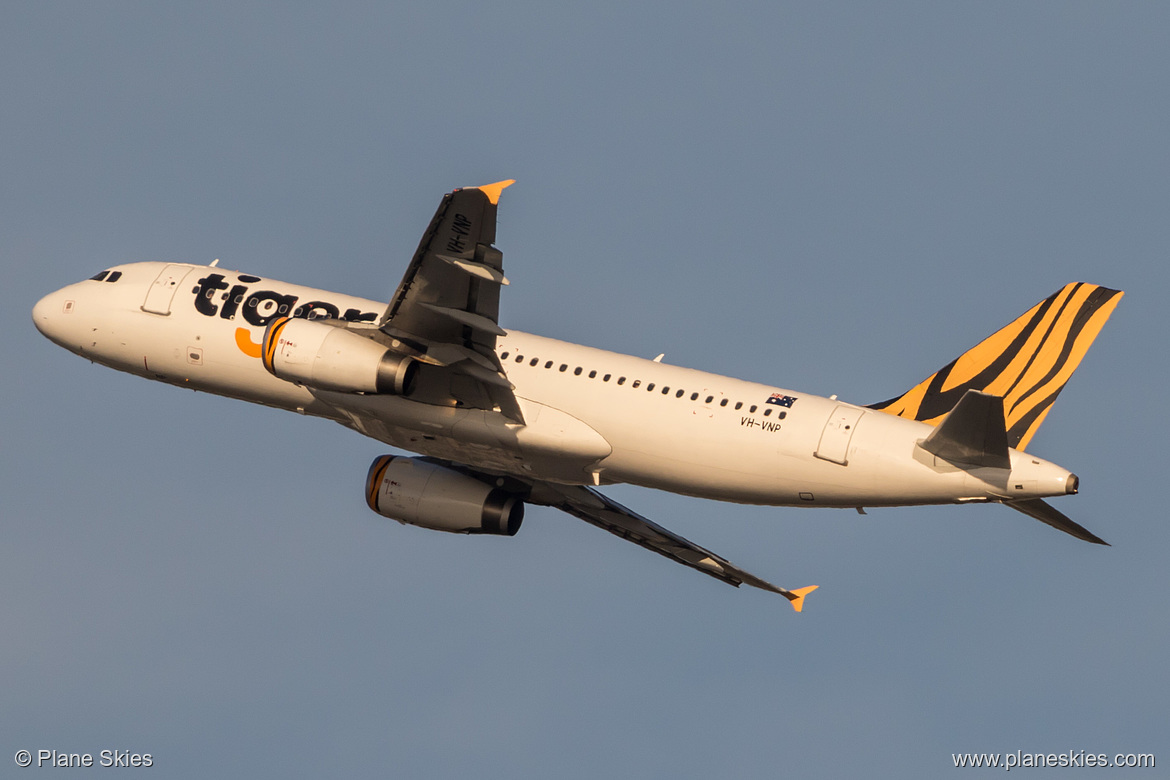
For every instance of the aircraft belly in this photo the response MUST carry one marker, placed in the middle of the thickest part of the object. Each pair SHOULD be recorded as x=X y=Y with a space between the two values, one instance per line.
x=551 y=445
x=551 y=433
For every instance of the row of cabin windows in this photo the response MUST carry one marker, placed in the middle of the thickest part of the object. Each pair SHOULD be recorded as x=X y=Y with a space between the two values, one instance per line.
x=621 y=380
x=251 y=303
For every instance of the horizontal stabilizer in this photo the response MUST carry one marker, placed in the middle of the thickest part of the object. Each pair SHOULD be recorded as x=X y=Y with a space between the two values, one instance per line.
x=1035 y=507
x=973 y=432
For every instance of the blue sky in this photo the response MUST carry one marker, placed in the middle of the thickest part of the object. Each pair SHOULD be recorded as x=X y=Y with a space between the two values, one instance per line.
x=834 y=198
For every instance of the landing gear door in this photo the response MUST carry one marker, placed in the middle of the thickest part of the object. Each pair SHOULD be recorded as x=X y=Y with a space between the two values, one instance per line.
x=835 y=438
x=162 y=291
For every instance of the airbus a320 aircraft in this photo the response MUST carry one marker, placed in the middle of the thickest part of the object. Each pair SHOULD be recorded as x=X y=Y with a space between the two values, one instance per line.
x=503 y=418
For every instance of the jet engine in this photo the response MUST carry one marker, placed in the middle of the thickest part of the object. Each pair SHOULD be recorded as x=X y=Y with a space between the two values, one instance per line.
x=321 y=354
x=419 y=492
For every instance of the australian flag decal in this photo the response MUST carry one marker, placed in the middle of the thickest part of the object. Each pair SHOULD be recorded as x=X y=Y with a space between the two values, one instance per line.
x=781 y=400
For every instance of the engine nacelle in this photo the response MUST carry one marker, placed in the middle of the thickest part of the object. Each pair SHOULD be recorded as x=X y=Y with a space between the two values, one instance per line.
x=318 y=354
x=415 y=491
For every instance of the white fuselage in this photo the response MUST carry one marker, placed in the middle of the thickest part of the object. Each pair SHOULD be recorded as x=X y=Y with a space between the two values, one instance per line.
x=591 y=416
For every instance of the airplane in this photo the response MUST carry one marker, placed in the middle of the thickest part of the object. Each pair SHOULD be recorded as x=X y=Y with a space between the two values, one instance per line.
x=501 y=418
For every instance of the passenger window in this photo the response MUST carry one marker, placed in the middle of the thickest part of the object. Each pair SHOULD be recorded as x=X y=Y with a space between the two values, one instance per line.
x=519 y=358
x=564 y=367
x=606 y=377
x=738 y=405
x=621 y=380
x=637 y=383
x=679 y=394
x=782 y=415
x=768 y=411
x=723 y=402
x=534 y=361
x=752 y=410
x=592 y=374
x=504 y=356
x=665 y=390
x=577 y=371
x=548 y=364
x=710 y=398
x=649 y=387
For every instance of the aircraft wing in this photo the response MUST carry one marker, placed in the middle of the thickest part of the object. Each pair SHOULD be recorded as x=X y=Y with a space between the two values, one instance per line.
x=592 y=507
x=446 y=309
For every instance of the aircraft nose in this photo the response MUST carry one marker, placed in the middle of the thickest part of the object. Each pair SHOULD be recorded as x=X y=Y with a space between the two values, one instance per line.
x=48 y=315
x=42 y=312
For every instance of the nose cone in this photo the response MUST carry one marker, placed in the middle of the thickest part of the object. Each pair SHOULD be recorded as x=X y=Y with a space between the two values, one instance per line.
x=42 y=312
x=50 y=314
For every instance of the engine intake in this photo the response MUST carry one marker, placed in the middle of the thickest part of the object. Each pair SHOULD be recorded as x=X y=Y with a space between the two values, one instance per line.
x=418 y=492
x=318 y=354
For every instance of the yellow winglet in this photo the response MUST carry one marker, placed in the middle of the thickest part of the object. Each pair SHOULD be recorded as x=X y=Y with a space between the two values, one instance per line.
x=796 y=597
x=493 y=190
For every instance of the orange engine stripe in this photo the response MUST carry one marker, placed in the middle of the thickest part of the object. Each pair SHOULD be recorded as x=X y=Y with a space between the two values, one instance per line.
x=271 y=338
x=377 y=472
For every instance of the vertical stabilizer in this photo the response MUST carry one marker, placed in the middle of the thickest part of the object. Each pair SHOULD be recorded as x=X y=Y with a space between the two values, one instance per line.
x=1026 y=363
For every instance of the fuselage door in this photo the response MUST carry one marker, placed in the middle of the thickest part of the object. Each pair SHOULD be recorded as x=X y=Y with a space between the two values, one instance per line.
x=162 y=291
x=834 y=444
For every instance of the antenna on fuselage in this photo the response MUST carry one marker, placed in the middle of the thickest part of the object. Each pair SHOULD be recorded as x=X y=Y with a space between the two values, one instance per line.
x=215 y=262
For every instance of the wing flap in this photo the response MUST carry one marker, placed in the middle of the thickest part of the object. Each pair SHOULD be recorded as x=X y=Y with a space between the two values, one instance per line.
x=468 y=318
x=482 y=270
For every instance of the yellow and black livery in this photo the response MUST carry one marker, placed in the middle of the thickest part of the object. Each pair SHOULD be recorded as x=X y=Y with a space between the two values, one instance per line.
x=1026 y=363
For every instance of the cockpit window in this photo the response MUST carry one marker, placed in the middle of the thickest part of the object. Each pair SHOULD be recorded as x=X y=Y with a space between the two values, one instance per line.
x=114 y=276
x=100 y=277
